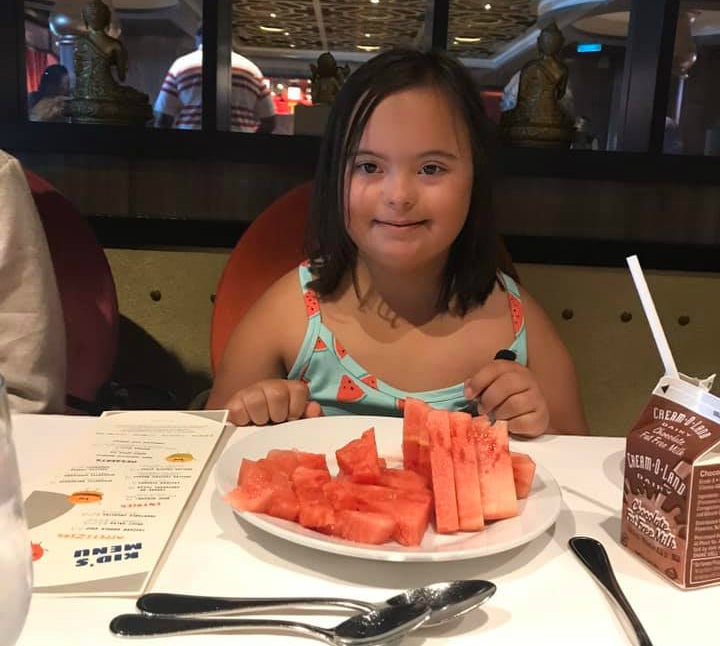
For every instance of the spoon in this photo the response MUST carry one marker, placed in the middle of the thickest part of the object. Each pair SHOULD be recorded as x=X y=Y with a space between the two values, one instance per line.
x=377 y=627
x=446 y=600
x=594 y=557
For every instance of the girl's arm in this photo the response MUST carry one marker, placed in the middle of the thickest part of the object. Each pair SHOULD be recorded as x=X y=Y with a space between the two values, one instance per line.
x=251 y=378
x=552 y=365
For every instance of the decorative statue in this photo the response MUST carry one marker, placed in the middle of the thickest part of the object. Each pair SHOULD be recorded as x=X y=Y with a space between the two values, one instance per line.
x=98 y=97
x=327 y=78
x=538 y=119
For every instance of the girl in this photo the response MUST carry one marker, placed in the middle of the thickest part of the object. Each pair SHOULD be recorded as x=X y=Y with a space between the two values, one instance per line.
x=401 y=295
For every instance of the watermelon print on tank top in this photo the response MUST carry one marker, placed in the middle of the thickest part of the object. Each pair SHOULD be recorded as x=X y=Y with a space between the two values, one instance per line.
x=343 y=387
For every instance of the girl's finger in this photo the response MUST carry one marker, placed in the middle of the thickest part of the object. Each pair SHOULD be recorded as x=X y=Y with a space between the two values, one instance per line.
x=298 y=394
x=313 y=409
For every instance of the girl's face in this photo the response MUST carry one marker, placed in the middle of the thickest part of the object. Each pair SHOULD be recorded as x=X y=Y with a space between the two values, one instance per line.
x=410 y=182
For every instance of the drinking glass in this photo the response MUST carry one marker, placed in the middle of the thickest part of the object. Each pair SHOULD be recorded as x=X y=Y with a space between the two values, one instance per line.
x=15 y=553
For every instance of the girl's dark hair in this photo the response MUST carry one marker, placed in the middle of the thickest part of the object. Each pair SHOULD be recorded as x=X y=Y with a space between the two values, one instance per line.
x=471 y=268
x=49 y=83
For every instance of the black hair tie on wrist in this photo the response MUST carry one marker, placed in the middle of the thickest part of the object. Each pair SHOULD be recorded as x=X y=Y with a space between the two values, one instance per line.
x=508 y=355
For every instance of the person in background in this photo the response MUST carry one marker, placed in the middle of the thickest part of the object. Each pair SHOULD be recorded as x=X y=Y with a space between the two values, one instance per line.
x=402 y=295
x=32 y=331
x=48 y=101
x=179 y=102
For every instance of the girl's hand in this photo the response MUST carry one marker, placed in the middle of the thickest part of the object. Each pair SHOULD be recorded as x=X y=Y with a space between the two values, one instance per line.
x=509 y=391
x=271 y=400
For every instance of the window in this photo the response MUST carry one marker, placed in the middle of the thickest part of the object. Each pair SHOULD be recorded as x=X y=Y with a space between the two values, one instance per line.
x=286 y=38
x=137 y=48
x=693 y=111
x=498 y=39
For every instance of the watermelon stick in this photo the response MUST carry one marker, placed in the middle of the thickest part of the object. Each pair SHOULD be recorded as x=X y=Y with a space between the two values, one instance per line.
x=652 y=317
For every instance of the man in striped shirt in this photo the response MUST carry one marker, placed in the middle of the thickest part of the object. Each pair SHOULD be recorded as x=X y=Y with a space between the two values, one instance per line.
x=179 y=103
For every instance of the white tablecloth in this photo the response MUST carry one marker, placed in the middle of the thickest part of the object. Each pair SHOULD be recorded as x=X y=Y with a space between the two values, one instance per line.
x=544 y=595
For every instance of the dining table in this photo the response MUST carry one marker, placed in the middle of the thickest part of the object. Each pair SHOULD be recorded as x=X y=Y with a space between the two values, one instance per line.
x=544 y=595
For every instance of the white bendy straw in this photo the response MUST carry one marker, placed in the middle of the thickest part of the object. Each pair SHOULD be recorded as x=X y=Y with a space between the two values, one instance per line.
x=652 y=316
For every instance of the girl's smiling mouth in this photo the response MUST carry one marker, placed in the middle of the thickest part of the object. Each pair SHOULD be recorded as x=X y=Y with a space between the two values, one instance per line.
x=401 y=224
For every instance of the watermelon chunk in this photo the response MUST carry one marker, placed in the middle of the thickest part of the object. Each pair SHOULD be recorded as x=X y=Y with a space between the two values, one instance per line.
x=403 y=479
x=523 y=473
x=495 y=472
x=303 y=477
x=315 y=511
x=285 y=460
x=263 y=487
x=410 y=508
x=364 y=526
x=467 y=482
x=284 y=504
x=359 y=458
x=414 y=415
x=443 y=474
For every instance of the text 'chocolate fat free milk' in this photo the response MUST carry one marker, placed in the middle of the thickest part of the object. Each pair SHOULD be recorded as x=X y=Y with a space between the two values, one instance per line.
x=671 y=495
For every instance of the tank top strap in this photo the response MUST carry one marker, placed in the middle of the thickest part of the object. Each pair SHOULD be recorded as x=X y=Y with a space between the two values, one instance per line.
x=314 y=326
x=512 y=290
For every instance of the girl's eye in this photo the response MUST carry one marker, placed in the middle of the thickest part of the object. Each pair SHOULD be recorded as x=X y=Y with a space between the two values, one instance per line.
x=367 y=167
x=432 y=169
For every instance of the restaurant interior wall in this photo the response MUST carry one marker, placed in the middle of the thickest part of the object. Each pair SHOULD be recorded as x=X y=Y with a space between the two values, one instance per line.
x=168 y=205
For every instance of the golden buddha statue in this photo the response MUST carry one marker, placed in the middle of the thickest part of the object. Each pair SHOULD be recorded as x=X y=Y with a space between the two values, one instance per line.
x=327 y=78
x=538 y=119
x=97 y=96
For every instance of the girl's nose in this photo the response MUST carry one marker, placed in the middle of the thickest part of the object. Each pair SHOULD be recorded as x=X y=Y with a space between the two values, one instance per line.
x=399 y=192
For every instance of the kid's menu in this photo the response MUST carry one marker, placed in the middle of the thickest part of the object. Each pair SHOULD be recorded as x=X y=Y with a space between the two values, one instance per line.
x=101 y=525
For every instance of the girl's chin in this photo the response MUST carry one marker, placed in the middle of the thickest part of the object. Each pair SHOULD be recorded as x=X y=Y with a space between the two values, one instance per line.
x=400 y=260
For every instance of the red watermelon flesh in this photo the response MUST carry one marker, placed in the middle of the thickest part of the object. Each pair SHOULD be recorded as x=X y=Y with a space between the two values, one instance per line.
x=252 y=499
x=364 y=526
x=467 y=482
x=284 y=504
x=303 y=477
x=285 y=460
x=414 y=416
x=410 y=508
x=523 y=473
x=403 y=479
x=315 y=510
x=497 y=485
x=312 y=460
x=359 y=458
x=259 y=484
x=443 y=474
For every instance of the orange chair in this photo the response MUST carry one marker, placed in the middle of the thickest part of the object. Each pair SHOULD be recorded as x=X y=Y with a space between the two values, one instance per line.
x=271 y=246
x=87 y=293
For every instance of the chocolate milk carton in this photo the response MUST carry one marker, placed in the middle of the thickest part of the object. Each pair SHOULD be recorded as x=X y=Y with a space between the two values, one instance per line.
x=671 y=496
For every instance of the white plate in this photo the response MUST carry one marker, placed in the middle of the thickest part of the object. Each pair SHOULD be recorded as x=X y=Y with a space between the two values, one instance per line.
x=326 y=434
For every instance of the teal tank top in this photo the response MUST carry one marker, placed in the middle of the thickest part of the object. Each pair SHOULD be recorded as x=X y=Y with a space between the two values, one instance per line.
x=343 y=387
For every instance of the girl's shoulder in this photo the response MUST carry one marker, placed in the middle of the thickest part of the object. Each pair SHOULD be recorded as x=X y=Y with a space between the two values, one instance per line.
x=284 y=294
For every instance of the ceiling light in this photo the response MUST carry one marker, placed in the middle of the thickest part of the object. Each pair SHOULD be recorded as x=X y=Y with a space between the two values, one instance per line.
x=273 y=15
x=368 y=48
x=292 y=45
x=461 y=39
x=488 y=6
x=374 y=1
x=272 y=30
x=368 y=35
x=287 y=33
